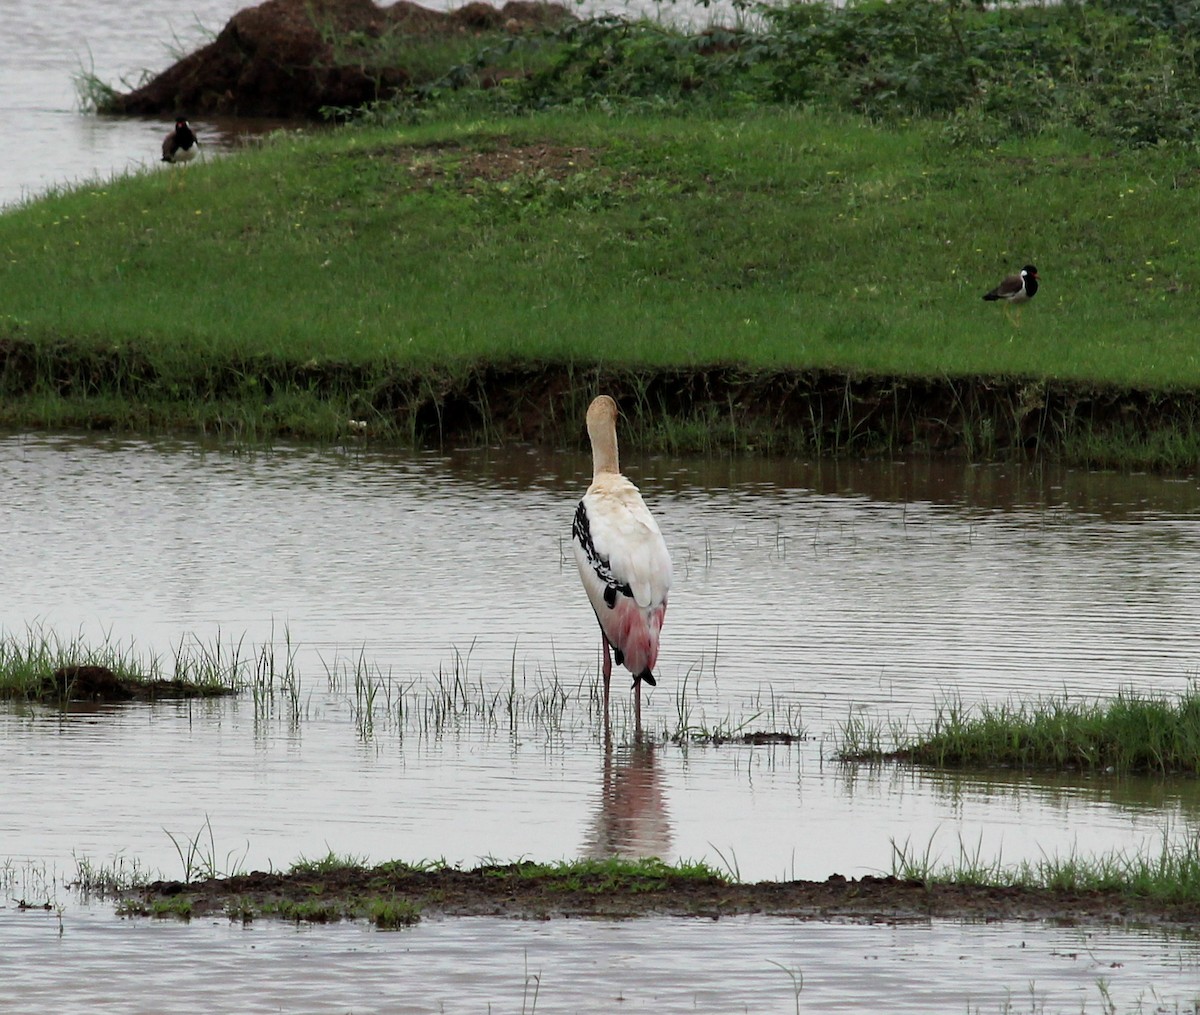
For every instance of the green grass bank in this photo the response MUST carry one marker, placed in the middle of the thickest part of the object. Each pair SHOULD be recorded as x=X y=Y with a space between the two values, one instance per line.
x=1131 y=733
x=762 y=279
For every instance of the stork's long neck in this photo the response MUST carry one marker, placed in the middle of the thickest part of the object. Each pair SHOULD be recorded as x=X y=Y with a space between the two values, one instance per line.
x=604 y=448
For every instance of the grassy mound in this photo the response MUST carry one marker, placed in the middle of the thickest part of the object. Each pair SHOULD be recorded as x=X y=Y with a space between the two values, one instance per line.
x=386 y=280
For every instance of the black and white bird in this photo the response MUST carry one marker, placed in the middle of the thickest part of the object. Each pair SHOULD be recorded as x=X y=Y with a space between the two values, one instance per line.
x=623 y=560
x=181 y=144
x=1016 y=289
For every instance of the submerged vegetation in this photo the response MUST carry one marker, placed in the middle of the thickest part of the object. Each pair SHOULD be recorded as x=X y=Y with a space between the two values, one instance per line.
x=1131 y=733
x=769 y=238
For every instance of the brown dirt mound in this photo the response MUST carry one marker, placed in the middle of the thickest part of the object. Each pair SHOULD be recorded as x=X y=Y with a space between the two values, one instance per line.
x=99 y=683
x=289 y=58
x=511 y=891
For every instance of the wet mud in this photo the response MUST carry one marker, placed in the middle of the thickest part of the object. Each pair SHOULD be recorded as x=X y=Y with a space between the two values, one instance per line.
x=520 y=891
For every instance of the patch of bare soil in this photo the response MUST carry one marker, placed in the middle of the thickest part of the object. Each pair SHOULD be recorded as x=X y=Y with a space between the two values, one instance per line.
x=512 y=891
x=503 y=161
x=289 y=58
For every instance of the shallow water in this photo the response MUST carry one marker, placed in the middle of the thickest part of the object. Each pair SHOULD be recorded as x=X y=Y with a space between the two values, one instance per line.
x=744 y=964
x=802 y=593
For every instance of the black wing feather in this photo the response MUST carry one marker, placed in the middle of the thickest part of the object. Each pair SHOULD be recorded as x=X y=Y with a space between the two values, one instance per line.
x=581 y=532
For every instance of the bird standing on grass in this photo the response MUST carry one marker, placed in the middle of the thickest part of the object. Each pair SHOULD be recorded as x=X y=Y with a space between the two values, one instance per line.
x=623 y=560
x=1016 y=289
x=181 y=144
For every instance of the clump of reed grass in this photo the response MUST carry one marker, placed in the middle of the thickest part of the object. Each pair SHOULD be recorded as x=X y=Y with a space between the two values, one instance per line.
x=455 y=698
x=179 y=908
x=769 y=719
x=1131 y=733
x=327 y=864
x=29 y=660
x=199 y=859
x=120 y=874
x=1170 y=875
x=392 y=914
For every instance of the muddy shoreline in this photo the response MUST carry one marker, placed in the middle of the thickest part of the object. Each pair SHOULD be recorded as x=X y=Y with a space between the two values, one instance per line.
x=706 y=408
x=510 y=891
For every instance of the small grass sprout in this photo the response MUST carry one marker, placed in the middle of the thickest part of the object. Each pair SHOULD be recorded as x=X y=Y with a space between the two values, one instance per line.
x=200 y=861
x=328 y=863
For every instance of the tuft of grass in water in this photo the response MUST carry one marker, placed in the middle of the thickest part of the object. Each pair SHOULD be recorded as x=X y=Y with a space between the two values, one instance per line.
x=29 y=661
x=459 y=697
x=178 y=907
x=392 y=914
x=769 y=720
x=93 y=94
x=1170 y=875
x=199 y=860
x=120 y=874
x=327 y=864
x=307 y=912
x=1131 y=733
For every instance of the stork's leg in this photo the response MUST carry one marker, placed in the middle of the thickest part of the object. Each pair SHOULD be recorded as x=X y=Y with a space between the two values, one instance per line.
x=637 y=711
x=607 y=673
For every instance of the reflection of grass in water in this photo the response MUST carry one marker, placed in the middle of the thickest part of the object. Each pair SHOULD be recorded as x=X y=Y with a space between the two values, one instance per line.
x=1172 y=874
x=1130 y=733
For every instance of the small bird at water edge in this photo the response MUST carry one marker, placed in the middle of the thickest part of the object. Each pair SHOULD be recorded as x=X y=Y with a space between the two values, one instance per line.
x=181 y=144
x=1016 y=289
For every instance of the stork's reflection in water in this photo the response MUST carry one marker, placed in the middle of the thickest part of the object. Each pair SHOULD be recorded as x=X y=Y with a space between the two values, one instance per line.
x=632 y=820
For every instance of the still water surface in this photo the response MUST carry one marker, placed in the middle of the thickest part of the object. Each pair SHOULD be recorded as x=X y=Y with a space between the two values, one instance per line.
x=803 y=593
x=657 y=966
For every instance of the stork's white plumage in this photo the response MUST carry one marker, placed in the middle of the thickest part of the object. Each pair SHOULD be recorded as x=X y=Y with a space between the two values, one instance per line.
x=622 y=557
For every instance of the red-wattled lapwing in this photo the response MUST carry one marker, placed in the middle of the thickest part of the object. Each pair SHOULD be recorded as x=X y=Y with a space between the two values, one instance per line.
x=622 y=560
x=181 y=144
x=1016 y=289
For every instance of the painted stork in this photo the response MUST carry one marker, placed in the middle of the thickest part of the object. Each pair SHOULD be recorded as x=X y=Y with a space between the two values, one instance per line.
x=623 y=560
